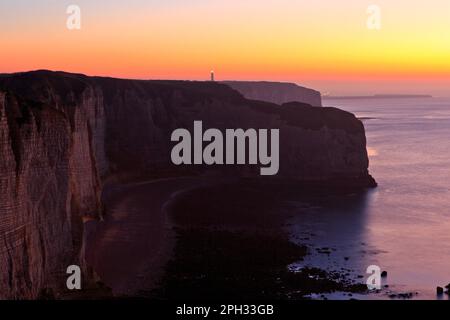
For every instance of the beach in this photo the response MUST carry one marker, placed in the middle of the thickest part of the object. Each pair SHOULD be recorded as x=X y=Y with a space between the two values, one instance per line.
x=129 y=249
x=197 y=238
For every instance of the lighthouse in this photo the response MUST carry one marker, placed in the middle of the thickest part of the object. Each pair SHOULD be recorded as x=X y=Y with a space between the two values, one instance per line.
x=212 y=75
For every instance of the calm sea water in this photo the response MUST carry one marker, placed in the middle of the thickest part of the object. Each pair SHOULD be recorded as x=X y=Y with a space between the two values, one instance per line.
x=403 y=226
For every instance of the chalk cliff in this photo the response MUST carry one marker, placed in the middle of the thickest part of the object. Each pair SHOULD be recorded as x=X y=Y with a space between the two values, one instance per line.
x=276 y=92
x=62 y=135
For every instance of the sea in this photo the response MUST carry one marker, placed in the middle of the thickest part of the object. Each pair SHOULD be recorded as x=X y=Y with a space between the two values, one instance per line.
x=402 y=226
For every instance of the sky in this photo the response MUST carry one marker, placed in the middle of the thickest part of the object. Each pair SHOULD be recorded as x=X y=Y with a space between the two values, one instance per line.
x=324 y=44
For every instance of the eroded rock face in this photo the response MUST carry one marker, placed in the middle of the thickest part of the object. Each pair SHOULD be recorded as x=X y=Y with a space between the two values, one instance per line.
x=276 y=92
x=62 y=135
x=48 y=182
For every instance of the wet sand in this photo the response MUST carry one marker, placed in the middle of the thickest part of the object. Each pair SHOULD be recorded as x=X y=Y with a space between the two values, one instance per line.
x=129 y=249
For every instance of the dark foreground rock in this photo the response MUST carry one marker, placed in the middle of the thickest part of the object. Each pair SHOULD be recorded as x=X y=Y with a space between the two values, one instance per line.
x=217 y=264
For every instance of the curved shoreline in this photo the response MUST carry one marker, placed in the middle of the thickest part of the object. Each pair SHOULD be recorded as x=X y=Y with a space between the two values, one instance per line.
x=134 y=250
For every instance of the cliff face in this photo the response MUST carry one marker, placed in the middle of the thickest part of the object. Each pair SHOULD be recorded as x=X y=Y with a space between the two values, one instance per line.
x=48 y=182
x=62 y=135
x=276 y=92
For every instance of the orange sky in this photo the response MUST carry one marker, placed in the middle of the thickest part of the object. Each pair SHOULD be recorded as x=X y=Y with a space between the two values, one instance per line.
x=323 y=44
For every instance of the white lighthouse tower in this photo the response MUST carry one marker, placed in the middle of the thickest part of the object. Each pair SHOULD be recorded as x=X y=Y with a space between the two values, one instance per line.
x=212 y=75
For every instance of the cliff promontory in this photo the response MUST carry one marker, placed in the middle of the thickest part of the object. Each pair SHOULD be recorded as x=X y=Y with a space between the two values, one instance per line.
x=62 y=135
x=276 y=92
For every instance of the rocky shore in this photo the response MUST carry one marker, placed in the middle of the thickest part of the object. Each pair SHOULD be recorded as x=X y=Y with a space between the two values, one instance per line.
x=233 y=244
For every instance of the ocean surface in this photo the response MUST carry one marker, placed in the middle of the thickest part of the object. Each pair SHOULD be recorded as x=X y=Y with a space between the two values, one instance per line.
x=403 y=226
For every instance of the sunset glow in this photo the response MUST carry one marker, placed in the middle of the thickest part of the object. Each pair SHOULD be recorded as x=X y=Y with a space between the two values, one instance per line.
x=324 y=44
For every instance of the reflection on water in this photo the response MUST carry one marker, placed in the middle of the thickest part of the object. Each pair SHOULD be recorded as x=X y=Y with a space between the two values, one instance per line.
x=372 y=152
x=404 y=225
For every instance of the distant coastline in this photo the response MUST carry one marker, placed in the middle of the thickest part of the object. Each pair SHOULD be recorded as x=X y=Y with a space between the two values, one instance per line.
x=379 y=96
